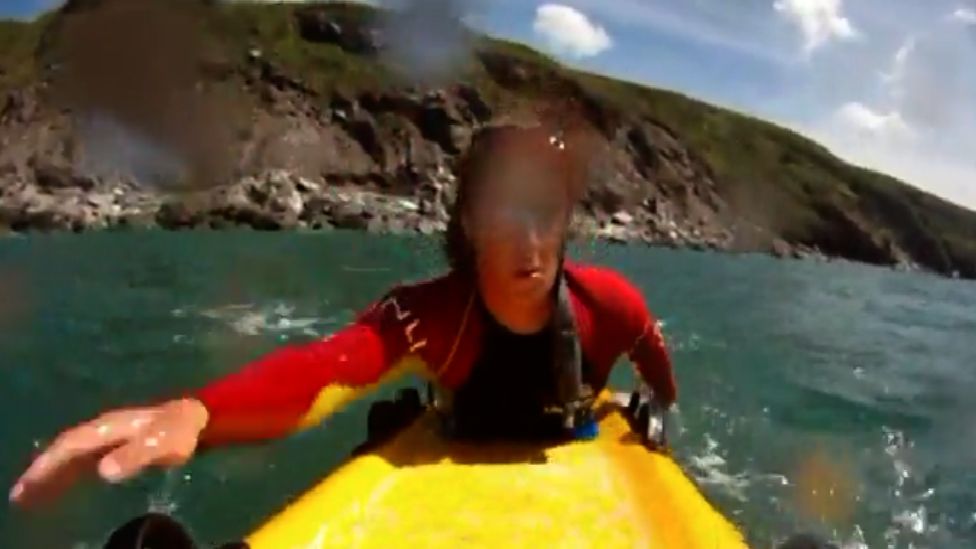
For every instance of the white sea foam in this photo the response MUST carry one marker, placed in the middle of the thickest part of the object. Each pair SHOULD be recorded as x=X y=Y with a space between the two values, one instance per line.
x=710 y=469
x=910 y=516
x=275 y=318
x=914 y=520
x=857 y=540
x=163 y=500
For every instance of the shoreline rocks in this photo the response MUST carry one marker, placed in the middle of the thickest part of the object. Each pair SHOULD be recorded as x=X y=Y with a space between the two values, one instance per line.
x=280 y=200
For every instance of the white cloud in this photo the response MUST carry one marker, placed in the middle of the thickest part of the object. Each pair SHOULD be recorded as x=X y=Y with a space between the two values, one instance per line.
x=937 y=81
x=918 y=128
x=568 y=31
x=967 y=16
x=947 y=176
x=860 y=118
x=742 y=28
x=819 y=20
x=896 y=75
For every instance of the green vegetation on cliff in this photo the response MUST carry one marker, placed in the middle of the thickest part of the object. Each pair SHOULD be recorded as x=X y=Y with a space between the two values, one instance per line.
x=778 y=184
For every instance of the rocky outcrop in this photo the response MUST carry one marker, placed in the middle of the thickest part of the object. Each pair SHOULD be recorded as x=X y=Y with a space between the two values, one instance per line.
x=26 y=205
x=280 y=200
x=380 y=162
x=352 y=34
x=380 y=158
x=275 y=200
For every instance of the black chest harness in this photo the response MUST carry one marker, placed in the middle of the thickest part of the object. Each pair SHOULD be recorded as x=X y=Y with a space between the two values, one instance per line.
x=532 y=386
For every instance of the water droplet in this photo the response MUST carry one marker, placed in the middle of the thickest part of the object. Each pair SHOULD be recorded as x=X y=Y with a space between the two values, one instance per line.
x=912 y=520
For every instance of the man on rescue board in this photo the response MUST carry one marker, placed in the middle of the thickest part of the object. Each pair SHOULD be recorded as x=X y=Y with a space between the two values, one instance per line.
x=483 y=331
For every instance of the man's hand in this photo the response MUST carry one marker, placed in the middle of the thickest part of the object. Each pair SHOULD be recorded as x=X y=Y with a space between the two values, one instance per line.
x=118 y=444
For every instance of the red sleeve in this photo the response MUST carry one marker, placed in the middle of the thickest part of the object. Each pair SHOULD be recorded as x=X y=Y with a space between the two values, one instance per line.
x=647 y=350
x=625 y=323
x=296 y=386
x=650 y=354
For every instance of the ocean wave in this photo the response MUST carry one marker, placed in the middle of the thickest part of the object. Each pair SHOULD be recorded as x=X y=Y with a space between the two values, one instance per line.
x=911 y=520
x=856 y=540
x=709 y=468
x=275 y=318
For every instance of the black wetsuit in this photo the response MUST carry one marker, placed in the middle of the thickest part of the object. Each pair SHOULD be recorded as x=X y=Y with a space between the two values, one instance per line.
x=490 y=405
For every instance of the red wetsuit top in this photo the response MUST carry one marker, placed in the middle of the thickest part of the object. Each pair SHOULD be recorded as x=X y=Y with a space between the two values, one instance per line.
x=435 y=329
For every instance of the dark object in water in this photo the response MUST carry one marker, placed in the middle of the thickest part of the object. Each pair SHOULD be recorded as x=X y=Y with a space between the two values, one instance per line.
x=807 y=541
x=157 y=531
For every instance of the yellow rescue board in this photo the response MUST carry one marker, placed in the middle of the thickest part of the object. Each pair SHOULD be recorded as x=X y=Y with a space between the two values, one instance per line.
x=420 y=490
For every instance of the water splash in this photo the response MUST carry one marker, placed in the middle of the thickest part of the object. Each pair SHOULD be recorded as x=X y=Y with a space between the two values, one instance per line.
x=914 y=520
x=910 y=518
x=164 y=500
x=276 y=318
x=710 y=469
x=857 y=540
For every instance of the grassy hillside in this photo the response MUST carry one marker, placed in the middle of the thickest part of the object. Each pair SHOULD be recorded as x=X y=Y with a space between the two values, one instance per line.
x=772 y=178
x=18 y=42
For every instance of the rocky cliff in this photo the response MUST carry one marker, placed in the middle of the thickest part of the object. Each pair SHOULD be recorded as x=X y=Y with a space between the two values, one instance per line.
x=283 y=116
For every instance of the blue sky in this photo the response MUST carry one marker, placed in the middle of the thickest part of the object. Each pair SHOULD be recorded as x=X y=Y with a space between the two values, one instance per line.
x=890 y=84
x=24 y=8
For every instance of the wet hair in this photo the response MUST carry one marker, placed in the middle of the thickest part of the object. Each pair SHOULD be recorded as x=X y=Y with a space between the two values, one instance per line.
x=494 y=149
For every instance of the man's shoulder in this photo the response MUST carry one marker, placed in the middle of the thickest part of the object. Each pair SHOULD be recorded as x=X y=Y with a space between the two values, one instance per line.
x=606 y=292
x=440 y=297
x=434 y=318
x=600 y=281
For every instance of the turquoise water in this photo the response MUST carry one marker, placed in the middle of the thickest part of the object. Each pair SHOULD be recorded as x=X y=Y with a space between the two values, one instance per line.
x=835 y=398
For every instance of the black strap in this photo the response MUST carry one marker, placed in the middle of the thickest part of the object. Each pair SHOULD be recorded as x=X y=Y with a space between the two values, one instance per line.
x=572 y=393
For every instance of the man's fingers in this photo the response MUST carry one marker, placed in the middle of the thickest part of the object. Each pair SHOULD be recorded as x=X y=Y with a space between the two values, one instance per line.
x=131 y=458
x=54 y=483
x=92 y=437
x=65 y=448
x=16 y=492
x=101 y=433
